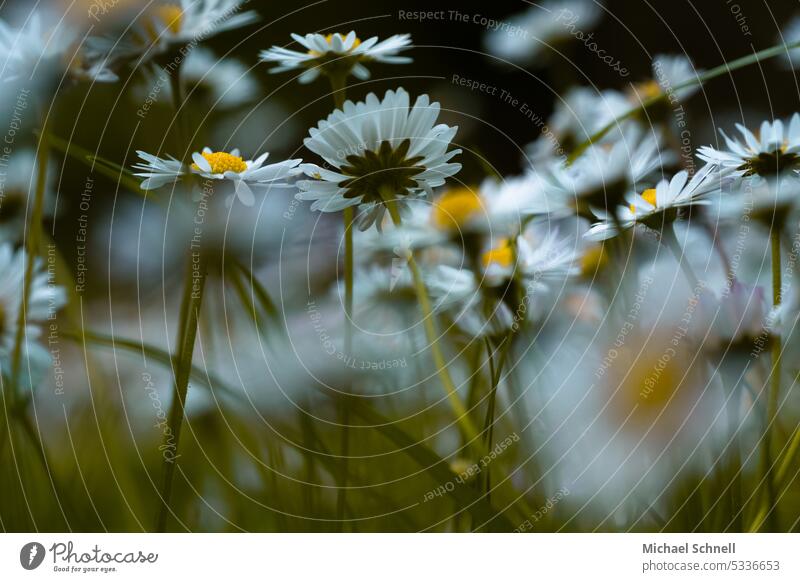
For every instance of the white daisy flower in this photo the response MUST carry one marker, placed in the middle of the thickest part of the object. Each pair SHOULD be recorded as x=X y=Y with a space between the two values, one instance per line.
x=166 y=25
x=601 y=177
x=44 y=299
x=243 y=174
x=486 y=303
x=791 y=35
x=337 y=55
x=775 y=150
x=378 y=150
x=659 y=206
x=669 y=72
x=530 y=33
x=45 y=46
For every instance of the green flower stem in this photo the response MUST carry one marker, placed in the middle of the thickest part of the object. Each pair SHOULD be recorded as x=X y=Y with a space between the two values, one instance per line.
x=32 y=243
x=191 y=303
x=718 y=71
x=338 y=88
x=671 y=241
x=462 y=416
x=775 y=387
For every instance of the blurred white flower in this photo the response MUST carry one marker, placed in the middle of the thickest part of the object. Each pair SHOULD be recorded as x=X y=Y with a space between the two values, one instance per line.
x=337 y=55
x=380 y=150
x=578 y=115
x=225 y=83
x=669 y=72
x=44 y=300
x=44 y=48
x=208 y=164
x=17 y=186
x=603 y=175
x=525 y=36
x=790 y=35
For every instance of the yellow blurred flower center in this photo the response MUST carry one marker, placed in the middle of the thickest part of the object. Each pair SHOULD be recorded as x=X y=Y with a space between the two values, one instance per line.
x=222 y=162
x=502 y=255
x=648 y=89
x=593 y=260
x=649 y=195
x=329 y=39
x=455 y=208
x=171 y=16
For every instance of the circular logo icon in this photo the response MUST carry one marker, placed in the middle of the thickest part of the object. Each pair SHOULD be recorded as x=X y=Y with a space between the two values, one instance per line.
x=31 y=555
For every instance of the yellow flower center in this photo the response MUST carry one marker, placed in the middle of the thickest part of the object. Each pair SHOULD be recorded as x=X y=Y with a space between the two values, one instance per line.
x=502 y=255
x=593 y=260
x=329 y=39
x=455 y=208
x=170 y=15
x=163 y=17
x=648 y=89
x=649 y=195
x=222 y=162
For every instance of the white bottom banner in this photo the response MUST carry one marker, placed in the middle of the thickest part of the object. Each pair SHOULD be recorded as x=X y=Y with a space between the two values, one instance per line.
x=381 y=557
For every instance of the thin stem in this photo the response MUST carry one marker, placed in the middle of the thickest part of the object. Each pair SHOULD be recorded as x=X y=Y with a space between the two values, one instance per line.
x=775 y=382
x=338 y=86
x=698 y=80
x=191 y=303
x=462 y=416
x=176 y=90
x=670 y=240
x=32 y=250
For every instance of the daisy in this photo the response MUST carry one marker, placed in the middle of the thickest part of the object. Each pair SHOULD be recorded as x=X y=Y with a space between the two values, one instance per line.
x=669 y=72
x=381 y=152
x=166 y=23
x=489 y=302
x=211 y=165
x=46 y=46
x=774 y=150
x=659 y=206
x=543 y=25
x=336 y=55
x=43 y=301
x=163 y=26
x=603 y=175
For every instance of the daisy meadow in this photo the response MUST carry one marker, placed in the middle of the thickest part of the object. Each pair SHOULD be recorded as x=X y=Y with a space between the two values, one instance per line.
x=381 y=152
x=775 y=149
x=336 y=55
x=225 y=166
x=659 y=206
